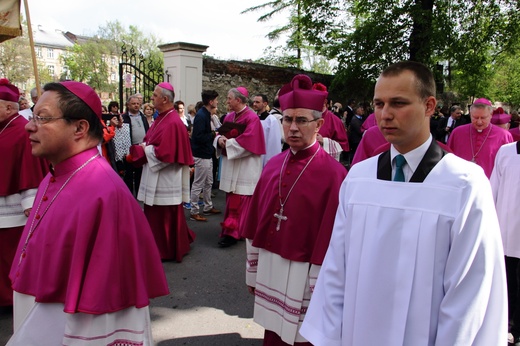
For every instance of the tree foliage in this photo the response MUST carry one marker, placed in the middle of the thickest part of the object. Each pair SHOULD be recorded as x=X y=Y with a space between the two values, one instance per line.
x=505 y=82
x=365 y=36
x=15 y=59
x=88 y=61
x=282 y=56
x=114 y=35
x=293 y=27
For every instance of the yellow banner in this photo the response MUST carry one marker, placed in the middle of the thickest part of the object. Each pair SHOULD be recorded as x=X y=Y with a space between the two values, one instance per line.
x=10 y=26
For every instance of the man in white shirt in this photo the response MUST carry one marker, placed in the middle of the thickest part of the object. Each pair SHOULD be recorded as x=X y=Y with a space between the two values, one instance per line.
x=415 y=256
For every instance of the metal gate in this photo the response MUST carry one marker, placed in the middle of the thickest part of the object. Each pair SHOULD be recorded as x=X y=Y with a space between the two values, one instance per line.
x=137 y=74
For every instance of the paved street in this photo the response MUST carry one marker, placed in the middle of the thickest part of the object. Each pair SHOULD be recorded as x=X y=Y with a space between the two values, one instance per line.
x=208 y=302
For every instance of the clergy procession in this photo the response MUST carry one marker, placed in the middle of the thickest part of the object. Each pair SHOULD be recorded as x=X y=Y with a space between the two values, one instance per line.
x=394 y=228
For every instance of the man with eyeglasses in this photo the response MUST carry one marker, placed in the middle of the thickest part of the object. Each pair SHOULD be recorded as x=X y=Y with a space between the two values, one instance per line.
x=20 y=175
x=291 y=215
x=83 y=269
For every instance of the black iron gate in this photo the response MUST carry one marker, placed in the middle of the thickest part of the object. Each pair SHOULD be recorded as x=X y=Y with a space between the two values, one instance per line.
x=137 y=74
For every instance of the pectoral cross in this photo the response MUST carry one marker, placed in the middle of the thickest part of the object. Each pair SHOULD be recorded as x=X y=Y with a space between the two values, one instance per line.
x=280 y=218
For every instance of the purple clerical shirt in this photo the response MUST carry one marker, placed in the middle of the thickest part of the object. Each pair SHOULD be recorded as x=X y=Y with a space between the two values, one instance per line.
x=20 y=169
x=481 y=147
x=371 y=140
x=310 y=208
x=252 y=139
x=333 y=128
x=91 y=247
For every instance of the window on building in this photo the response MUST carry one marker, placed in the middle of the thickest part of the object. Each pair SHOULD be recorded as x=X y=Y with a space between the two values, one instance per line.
x=50 y=68
x=113 y=76
x=39 y=52
x=113 y=60
x=65 y=73
x=50 y=53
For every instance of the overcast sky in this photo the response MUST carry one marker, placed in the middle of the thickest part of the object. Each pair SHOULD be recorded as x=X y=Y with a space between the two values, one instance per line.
x=214 y=23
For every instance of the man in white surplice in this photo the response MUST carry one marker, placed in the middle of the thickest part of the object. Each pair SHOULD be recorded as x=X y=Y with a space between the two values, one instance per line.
x=417 y=261
x=506 y=192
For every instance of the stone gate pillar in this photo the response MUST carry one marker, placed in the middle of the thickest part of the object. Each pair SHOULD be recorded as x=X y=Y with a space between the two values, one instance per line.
x=183 y=67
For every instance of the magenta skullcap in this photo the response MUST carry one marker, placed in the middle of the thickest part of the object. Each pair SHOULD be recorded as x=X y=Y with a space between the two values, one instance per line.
x=166 y=85
x=85 y=94
x=8 y=92
x=482 y=101
x=300 y=94
x=500 y=119
x=243 y=91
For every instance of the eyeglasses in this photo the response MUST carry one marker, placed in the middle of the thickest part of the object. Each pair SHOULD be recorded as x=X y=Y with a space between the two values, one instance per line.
x=300 y=121
x=38 y=120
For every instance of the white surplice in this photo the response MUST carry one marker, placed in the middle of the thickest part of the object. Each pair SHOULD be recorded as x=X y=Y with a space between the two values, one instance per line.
x=241 y=168
x=272 y=136
x=163 y=183
x=412 y=263
x=45 y=324
x=283 y=289
x=506 y=192
x=332 y=148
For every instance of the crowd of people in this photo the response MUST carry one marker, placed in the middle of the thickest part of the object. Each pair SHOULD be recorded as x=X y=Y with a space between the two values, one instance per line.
x=414 y=244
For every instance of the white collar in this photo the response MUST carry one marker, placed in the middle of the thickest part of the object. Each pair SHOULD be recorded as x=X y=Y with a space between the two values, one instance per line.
x=413 y=157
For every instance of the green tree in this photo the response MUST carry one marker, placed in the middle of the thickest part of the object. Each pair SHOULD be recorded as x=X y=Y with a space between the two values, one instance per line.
x=114 y=35
x=365 y=36
x=15 y=59
x=89 y=61
x=86 y=63
x=44 y=74
x=292 y=28
x=506 y=80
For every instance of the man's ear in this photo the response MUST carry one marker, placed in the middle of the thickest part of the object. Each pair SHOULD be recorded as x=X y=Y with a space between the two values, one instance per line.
x=319 y=122
x=82 y=128
x=431 y=103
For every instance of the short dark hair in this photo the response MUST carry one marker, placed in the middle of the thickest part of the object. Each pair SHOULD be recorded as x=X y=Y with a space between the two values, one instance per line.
x=263 y=96
x=455 y=108
x=73 y=108
x=177 y=103
x=113 y=104
x=276 y=102
x=423 y=76
x=207 y=96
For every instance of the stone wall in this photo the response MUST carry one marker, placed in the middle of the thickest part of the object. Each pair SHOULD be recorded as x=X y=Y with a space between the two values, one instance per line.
x=223 y=75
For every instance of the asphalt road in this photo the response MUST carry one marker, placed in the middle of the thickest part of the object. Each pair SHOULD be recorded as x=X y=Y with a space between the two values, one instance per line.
x=208 y=302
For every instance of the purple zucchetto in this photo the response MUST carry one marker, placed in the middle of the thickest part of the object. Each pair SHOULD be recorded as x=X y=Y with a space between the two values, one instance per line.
x=166 y=85
x=85 y=94
x=243 y=91
x=300 y=94
x=8 y=92
x=482 y=101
